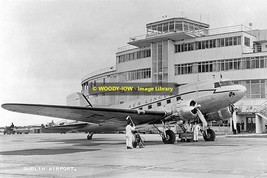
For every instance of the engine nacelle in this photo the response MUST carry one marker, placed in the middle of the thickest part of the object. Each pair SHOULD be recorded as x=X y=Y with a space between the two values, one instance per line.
x=222 y=114
x=185 y=112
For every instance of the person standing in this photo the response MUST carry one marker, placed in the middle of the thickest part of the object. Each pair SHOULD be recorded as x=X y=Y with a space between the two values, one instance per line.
x=188 y=127
x=238 y=126
x=196 y=130
x=129 y=135
x=242 y=126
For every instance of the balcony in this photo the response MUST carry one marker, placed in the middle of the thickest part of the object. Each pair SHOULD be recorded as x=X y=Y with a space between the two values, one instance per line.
x=175 y=35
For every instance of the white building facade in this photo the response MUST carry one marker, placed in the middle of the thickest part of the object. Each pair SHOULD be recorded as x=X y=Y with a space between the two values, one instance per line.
x=181 y=50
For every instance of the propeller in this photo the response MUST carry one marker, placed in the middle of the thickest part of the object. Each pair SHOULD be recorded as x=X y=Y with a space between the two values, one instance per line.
x=234 y=118
x=129 y=118
x=202 y=118
x=199 y=113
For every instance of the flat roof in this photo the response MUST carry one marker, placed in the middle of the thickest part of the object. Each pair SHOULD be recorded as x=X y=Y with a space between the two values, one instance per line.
x=178 y=19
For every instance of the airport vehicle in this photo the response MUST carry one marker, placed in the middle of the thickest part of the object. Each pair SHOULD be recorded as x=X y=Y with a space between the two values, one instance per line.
x=9 y=131
x=207 y=100
x=21 y=130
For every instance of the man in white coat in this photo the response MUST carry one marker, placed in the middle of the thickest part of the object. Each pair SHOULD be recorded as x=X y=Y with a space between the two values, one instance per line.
x=129 y=135
x=196 y=130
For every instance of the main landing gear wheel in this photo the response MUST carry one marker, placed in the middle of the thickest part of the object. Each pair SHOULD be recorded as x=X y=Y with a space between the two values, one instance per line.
x=170 y=137
x=209 y=135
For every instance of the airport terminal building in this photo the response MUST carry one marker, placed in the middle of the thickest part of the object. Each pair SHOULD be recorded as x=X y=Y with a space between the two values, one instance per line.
x=182 y=50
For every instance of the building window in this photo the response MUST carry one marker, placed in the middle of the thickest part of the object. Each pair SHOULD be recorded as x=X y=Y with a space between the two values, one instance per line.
x=247 y=41
x=138 y=74
x=255 y=88
x=178 y=98
x=133 y=56
x=262 y=62
x=207 y=44
x=221 y=65
x=171 y=26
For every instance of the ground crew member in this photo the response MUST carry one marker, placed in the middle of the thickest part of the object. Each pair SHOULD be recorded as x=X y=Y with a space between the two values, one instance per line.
x=129 y=135
x=188 y=127
x=196 y=130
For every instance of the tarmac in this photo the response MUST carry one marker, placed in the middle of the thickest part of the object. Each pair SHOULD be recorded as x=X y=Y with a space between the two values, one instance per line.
x=72 y=155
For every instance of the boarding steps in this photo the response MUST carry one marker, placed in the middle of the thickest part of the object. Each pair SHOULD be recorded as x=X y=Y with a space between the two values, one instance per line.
x=263 y=114
x=260 y=115
x=263 y=111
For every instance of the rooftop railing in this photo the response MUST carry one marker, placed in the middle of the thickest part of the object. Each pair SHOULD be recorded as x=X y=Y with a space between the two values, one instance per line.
x=196 y=33
x=98 y=72
x=230 y=29
x=125 y=48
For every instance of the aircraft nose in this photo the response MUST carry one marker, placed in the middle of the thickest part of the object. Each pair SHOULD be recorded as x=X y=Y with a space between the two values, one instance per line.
x=242 y=90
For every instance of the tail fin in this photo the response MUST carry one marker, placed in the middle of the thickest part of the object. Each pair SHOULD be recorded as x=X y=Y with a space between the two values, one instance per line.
x=78 y=99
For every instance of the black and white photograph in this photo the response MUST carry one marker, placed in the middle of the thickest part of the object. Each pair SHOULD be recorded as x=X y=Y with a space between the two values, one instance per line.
x=133 y=88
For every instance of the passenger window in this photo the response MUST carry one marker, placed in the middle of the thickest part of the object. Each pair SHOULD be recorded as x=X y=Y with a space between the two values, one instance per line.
x=178 y=98
x=149 y=106
x=217 y=85
x=168 y=101
x=159 y=104
x=140 y=108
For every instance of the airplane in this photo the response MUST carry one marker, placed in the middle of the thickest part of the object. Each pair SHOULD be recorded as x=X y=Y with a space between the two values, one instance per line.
x=207 y=100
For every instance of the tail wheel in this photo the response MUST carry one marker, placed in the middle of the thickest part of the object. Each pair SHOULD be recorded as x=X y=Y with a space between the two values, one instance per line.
x=209 y=135
x=134 y=144
x=90 y=136
x=170 y=137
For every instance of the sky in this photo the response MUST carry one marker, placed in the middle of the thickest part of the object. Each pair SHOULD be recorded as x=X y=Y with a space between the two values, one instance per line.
x=47 y=46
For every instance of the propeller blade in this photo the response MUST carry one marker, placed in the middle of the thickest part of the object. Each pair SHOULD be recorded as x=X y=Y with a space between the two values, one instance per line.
x=234 y=119
x=202 y=118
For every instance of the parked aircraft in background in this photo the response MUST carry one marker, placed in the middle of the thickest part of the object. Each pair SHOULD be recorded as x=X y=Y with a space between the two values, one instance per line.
x=13 y=129
x=205 y=100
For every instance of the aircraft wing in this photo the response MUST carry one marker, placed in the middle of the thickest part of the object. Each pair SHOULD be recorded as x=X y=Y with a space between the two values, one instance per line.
x=87 y=114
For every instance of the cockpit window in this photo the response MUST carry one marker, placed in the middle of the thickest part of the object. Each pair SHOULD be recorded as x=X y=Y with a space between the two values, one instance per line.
x=223 y=83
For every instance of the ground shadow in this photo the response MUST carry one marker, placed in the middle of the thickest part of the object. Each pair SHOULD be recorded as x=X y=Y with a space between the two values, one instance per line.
x=47 y=151
x=85 y=142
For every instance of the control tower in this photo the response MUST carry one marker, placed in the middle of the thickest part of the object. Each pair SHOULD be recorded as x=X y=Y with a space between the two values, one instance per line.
x=176 y=29
x=160 y=38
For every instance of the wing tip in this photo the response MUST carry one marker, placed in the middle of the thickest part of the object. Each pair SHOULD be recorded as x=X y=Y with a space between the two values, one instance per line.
x=4 y=106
